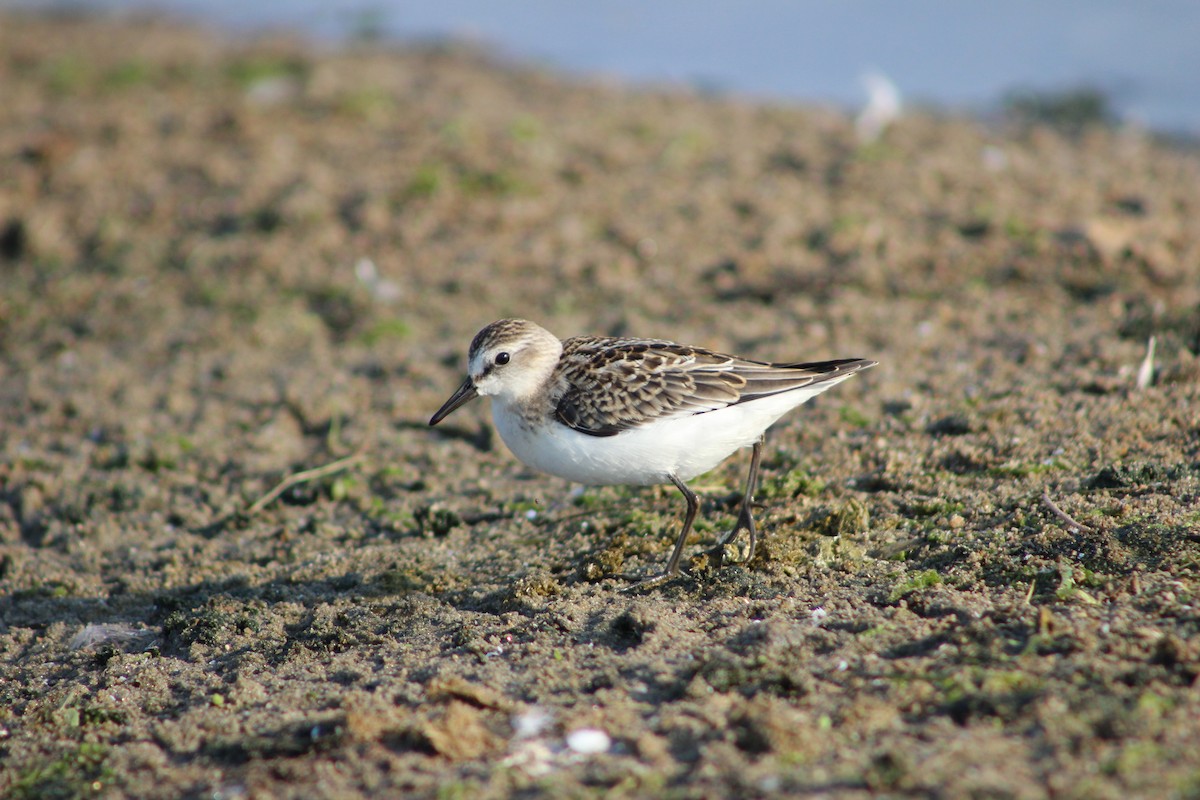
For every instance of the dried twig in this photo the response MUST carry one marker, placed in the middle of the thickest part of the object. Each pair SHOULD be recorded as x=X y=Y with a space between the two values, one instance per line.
x=304 y=476
x=1066 y=518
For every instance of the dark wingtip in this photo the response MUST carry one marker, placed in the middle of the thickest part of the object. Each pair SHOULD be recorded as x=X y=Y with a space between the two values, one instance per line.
x=837 y=365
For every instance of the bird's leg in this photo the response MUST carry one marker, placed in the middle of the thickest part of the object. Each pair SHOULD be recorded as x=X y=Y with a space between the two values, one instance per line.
x=746 y=515
x=693 y=505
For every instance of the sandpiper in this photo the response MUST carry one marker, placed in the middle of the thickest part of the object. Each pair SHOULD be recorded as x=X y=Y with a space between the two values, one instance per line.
x=601 y=410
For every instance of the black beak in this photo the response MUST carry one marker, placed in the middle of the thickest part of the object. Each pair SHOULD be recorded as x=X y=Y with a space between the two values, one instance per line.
x=463 y=395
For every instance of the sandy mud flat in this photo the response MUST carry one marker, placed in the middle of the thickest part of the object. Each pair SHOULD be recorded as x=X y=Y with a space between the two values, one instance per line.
x=225 y=262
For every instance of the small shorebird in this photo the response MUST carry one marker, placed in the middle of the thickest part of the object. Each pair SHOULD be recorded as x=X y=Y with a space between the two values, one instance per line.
x=600 y=411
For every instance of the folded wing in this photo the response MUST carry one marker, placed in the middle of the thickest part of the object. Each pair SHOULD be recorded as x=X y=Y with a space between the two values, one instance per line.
x=606 y=386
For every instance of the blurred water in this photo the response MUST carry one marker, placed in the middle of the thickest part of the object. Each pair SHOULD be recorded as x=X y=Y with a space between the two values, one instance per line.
x=1145 y=56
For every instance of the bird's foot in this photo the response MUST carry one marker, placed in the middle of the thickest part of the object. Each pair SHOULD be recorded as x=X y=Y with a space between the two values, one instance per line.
x=726 y=548
x=653 y=582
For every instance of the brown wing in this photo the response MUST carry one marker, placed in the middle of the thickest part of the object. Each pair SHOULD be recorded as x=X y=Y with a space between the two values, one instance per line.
x=606 y=386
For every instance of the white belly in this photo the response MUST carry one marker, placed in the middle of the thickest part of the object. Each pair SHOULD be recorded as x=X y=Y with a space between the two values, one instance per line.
x=682 y=446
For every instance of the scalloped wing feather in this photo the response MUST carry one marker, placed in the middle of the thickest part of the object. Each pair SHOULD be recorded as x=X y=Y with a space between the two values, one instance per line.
x=605 y=386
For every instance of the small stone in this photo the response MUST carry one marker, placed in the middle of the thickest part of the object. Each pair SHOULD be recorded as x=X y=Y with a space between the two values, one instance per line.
x=589 y=741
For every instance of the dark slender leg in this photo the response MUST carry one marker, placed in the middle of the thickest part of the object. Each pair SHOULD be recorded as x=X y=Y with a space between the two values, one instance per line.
x=693 y=505
x=746 y=515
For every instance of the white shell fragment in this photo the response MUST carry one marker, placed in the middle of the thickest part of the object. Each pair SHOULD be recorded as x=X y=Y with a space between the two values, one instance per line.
x=589 y=741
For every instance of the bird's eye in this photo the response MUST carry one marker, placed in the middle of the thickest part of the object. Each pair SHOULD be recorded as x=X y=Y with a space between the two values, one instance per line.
x=502 y=359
